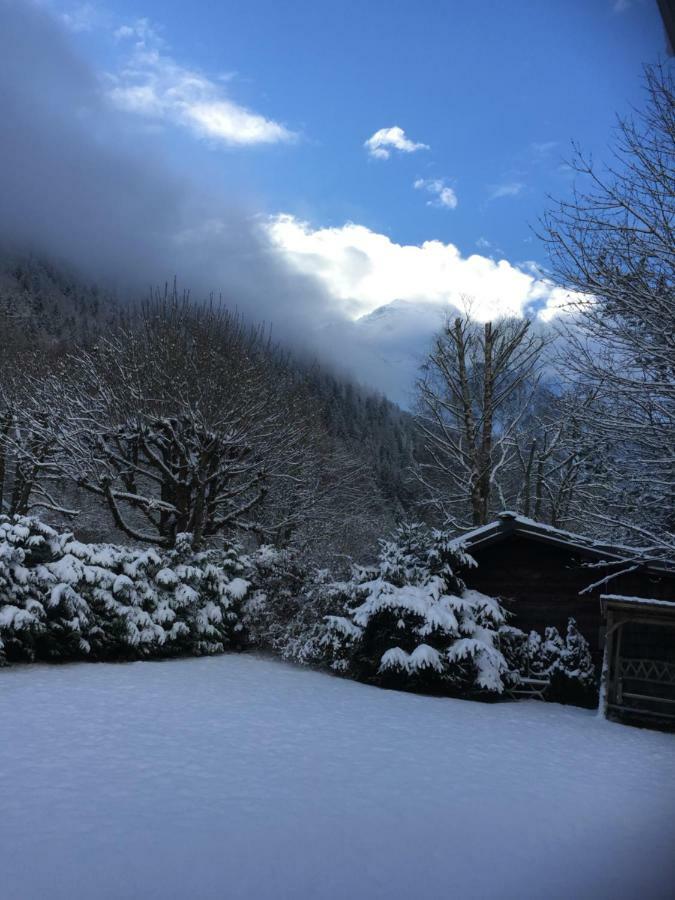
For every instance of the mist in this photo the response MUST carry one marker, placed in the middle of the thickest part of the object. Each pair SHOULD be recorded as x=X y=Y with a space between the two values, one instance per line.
x=81 y=185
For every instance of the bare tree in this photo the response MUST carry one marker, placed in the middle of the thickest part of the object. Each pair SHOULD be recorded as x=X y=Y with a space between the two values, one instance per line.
x=560 y=466
x=613 y=246
x=466 y=415
x=178 y=423
x=29 y=475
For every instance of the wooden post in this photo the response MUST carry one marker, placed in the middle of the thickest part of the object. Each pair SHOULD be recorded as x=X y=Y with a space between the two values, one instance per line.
x=618 y=687
x=604 y=672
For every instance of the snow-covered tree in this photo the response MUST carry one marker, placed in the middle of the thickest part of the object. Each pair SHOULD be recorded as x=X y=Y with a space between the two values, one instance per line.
x=513 y=645
x=23 y=542
x=177 y=423
x=552 y=650
x=573 y=678
x=29 y=472
x=467 y=413
x=534 y=667
x=612 y=244
x=276 y=603
x=60 y=598
x=567 y=664
x=410 y=622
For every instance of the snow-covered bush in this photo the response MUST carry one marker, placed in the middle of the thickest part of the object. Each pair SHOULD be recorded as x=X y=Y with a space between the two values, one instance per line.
x=513 y=644
x=410 y=622
x=567 y=663
x=573 y=676
x=60 y=598
x=23 y=543
x=552 y=649
x=287 y=609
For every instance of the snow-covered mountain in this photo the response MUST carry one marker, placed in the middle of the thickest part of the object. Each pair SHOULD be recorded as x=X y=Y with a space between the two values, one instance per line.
x=399 y=336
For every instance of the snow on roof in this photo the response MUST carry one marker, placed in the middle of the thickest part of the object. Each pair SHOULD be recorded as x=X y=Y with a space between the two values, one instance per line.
x=644 y=601
x=510 y=523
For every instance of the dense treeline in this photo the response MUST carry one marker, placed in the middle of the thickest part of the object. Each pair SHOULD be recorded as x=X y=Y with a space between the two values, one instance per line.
x=143 y=422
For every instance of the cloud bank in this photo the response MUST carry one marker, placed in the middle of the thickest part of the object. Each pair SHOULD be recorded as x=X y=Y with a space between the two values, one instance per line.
x=81 y=183
x=364 y=270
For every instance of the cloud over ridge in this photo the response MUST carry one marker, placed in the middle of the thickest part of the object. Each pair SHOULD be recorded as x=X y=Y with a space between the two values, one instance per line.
x=364 y=270
x=82 y=184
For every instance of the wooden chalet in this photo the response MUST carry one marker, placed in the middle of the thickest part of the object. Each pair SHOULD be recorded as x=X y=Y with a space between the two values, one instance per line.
x=544 y=575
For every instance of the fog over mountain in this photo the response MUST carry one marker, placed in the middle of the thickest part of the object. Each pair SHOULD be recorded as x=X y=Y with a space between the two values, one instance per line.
x=81 y=183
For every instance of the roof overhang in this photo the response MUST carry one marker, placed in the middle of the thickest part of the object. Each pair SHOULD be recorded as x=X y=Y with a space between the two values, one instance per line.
x=642 y=607
x=509 y=525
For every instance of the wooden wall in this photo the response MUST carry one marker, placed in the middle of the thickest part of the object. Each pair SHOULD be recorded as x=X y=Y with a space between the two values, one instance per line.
x=540 y=585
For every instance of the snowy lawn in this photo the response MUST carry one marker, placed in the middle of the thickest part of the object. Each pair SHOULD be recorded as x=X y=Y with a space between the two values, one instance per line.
x=236 y=776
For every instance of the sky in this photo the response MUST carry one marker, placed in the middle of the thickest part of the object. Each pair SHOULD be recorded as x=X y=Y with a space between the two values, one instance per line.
x=312 y=161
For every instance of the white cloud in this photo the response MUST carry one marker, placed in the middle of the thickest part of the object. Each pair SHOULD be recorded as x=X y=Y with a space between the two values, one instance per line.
x=379 y=144
x=364 y=270
x=442 y=194
x=620 y=6
x=153 y=85
x=508 y=189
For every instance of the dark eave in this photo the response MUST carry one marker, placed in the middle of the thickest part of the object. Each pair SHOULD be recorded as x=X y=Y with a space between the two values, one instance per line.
x=509 y=525
x=639 y=607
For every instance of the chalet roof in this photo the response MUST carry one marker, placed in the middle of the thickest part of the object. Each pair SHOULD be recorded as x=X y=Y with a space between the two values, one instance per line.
x=509 y=524
x=638 y=604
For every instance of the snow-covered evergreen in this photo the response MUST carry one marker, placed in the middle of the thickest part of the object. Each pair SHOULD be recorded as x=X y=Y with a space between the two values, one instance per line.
x=567 y=664
x=410 y=622
x=60 y=598
x=552 y=650
x=278 y=614
x=573 y=677
x=23 y=542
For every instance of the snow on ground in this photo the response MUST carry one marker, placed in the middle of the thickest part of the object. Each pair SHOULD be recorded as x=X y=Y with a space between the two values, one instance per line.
x=236 y=776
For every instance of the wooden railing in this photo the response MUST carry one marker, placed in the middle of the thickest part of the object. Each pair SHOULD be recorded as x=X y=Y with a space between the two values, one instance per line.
x=533 y=688
x=655 y=670
x=649 y=672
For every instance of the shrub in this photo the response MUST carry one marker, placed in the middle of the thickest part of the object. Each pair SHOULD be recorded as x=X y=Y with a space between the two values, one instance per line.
x=573 y=677
x=566 y=663
x=62 y=599
x=287 y=612
x=409 y=622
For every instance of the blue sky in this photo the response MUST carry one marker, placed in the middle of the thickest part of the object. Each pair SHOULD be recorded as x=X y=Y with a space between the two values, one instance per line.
x=495 y=90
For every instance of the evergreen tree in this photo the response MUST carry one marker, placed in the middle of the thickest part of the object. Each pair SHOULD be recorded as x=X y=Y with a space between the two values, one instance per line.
x=533 y=656
x=410 y=622
x=552 y=649
x=23 y=542
x=574 y=679
x=513 y=645
x=62 y=599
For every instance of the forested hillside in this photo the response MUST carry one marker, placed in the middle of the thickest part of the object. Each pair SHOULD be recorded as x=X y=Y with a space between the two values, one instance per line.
x=357 y=447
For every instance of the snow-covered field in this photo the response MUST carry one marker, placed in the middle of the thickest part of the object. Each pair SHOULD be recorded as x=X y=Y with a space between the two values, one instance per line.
x=236 y=776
